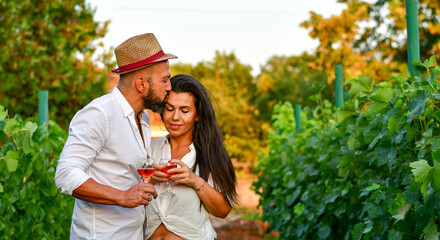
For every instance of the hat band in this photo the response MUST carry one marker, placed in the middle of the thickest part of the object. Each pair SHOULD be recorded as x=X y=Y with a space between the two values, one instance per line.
x=140 y=63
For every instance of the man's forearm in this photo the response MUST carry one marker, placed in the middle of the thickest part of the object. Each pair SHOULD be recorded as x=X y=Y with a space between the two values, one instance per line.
x=92 y=191
x=95 y=192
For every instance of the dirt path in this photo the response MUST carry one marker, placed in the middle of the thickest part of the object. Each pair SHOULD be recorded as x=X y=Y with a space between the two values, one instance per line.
x=235 y=226
x=248 y=198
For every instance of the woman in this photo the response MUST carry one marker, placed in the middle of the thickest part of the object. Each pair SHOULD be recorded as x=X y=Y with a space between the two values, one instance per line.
x=204 y=181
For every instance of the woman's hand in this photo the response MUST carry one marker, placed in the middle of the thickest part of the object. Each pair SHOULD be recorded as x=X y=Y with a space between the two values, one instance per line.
x=159 y=176
x=184 y=175
x=213 y=200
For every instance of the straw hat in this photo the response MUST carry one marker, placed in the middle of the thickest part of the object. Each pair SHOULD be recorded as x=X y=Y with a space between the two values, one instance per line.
x=139 y=52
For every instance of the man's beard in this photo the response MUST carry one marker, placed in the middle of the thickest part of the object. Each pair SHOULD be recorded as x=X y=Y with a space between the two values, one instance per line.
x=153 y=102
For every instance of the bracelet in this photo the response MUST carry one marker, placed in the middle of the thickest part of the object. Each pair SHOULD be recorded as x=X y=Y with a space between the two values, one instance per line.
x=203 y=185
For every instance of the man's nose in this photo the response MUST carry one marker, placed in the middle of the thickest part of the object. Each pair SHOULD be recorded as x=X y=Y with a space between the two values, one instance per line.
x=168 y=86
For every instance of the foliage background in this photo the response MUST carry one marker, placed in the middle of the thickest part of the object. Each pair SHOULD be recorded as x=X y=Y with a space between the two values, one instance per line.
x=369 y=37
x=370 y=170
x=52 y=45
x=30 y=205
x=48 y=45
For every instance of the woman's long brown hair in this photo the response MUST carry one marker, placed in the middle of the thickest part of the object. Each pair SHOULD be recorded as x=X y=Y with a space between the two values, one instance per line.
x=212 y=157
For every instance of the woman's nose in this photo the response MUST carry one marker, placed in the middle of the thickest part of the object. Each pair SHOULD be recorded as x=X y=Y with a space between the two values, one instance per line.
x=175 y=115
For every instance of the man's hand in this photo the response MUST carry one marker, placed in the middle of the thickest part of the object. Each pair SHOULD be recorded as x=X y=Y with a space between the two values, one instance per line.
x=139 y=194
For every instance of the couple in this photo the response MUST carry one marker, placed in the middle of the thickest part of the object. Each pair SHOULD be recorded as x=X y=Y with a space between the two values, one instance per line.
x=98 y=163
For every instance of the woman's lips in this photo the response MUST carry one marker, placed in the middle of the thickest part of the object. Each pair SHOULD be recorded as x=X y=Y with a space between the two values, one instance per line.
x=174 y=127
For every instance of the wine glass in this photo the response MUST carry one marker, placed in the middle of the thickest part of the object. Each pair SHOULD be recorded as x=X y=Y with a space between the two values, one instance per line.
x=167 y=166
x=145 y=168
x=167 y=199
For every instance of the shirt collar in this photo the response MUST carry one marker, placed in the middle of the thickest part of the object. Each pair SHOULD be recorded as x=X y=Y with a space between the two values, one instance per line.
x=126 y=108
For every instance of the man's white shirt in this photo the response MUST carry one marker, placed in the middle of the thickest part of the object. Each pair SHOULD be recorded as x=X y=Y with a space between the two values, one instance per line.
x=104 y=143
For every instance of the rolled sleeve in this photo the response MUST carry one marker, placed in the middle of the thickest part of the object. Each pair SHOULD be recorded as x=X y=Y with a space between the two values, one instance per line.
x=73 y=180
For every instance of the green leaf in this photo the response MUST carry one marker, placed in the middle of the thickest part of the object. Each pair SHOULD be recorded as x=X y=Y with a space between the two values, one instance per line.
x=351 y=143
x=26 y=142
x=432 y=60
x=385 y=84
x=1 y=188
x=399 y=207
x=299 y=209
x=398 y=78
x=344 y=164
x=31 y=127
x=395 y=235
x=435 y=144
x=26 y=138
x=373 y=210
x=368 y=228
x=421 y=170
x=435 y=149
x=411 y=134
x=11 y=160
x=324 y=231
x=356 y=234
x=386 y=154
x=47 y=146
x=431 y=232
x=422 y=173
x=286 y=216
x=375 y=107
x=435 y=184
x=383 y=95
x=10 y=124
x=3 y=113
x=417 y=63
x=435 y=72
x=393 y=123
x=342 y=115
x=417 y=105
x=428 y=63
x=372 y=187
x=363 y=84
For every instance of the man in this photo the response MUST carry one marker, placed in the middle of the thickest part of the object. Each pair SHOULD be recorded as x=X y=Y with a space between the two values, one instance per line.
x=98 y=163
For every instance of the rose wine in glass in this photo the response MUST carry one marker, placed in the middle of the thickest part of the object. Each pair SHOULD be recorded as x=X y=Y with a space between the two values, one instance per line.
x=167 y=166
x=145 y=168
x=145 y=172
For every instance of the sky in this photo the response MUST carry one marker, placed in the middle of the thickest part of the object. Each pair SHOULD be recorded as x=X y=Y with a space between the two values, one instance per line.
x=254 y=30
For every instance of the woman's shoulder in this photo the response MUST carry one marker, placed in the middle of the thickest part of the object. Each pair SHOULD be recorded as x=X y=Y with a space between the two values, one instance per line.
x=158 y=142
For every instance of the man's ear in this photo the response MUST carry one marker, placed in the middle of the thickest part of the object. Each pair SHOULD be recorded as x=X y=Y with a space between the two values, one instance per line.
x=141 y=84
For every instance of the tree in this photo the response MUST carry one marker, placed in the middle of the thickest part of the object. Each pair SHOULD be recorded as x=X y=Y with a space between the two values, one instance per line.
x=370 y=38
x=285 y=78
x=48 y=45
